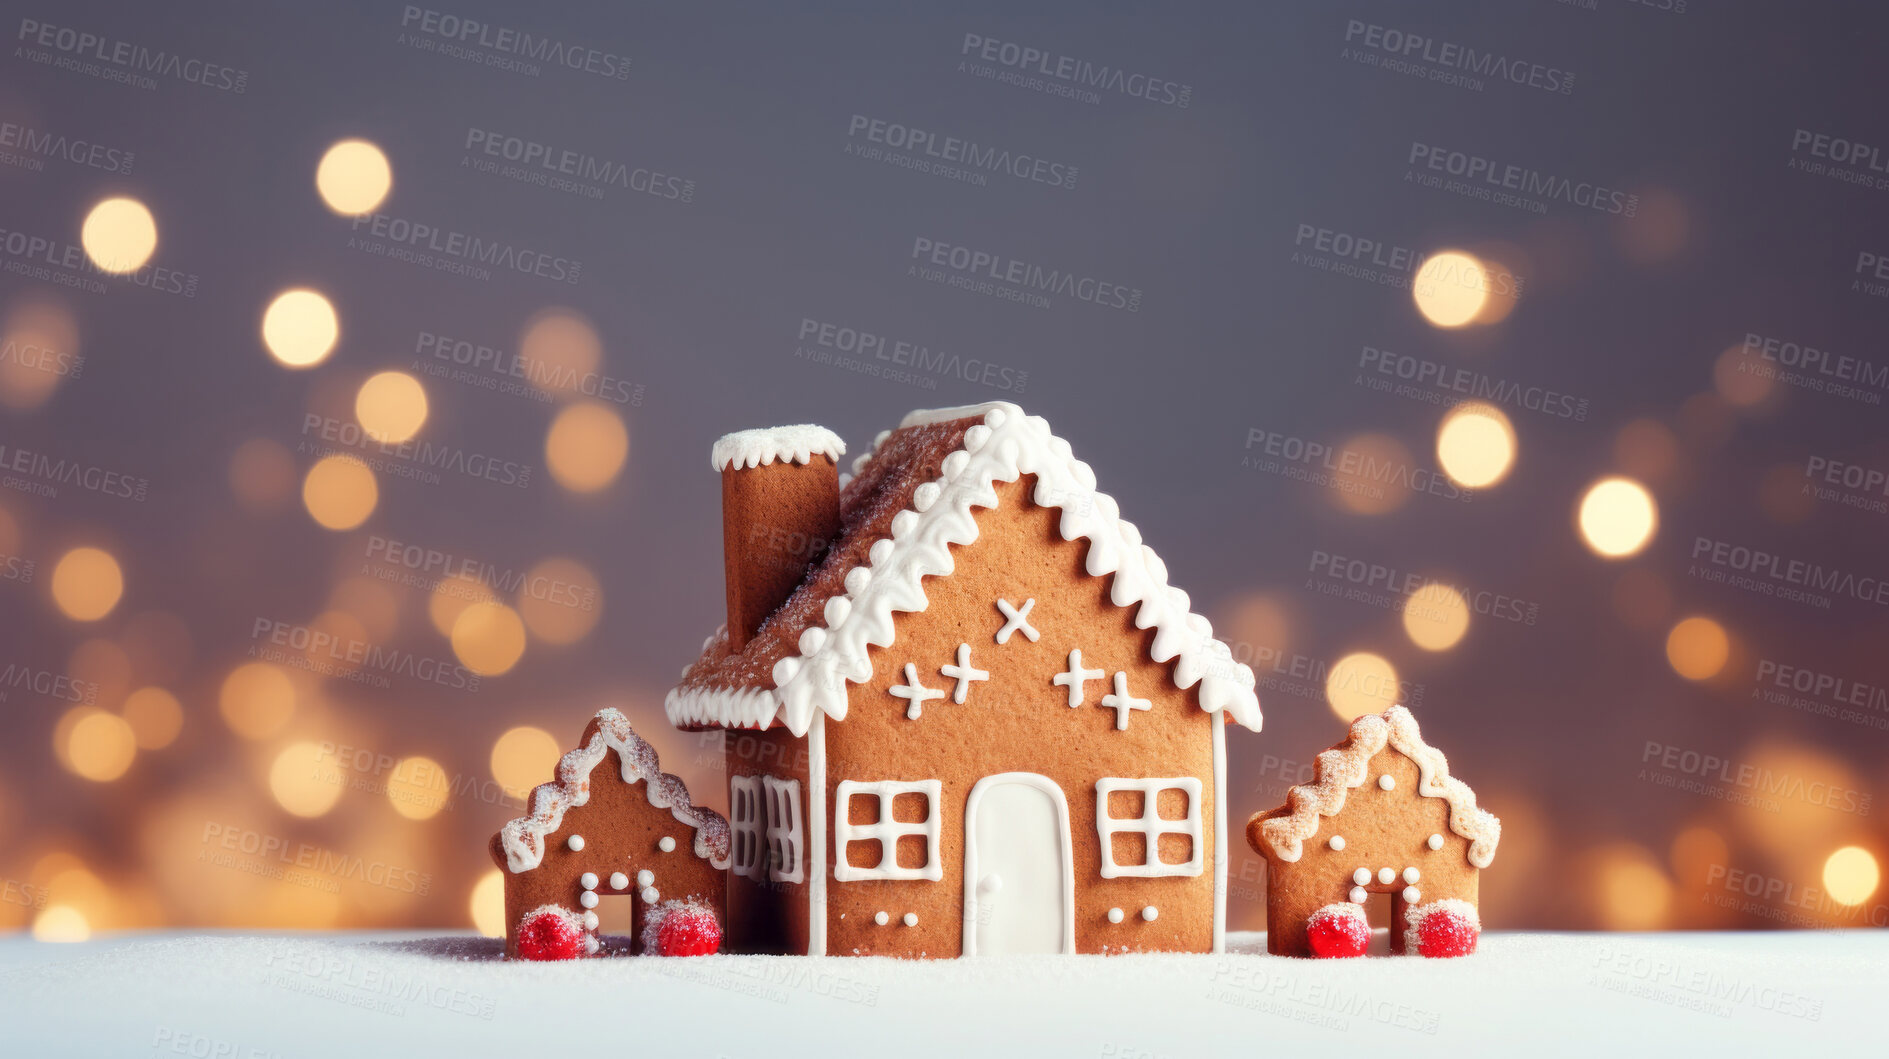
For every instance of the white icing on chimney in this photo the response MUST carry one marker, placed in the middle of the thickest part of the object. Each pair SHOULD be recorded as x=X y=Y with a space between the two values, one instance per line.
x=758 y=448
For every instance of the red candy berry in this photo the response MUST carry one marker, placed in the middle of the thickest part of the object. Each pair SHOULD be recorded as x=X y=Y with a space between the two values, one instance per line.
x=550 y=933
x=1445 y=932
x=1338 y=930
x=686 y=930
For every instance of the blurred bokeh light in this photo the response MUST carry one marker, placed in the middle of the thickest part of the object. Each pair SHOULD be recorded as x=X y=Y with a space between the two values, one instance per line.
x=354 y=177
x=1617 y=517
x=300 y=328
x=119 y=235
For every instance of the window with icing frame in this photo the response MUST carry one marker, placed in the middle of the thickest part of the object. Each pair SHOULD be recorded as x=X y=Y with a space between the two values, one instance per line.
x=1137 y=814
x=784 y=842
x=744 y=826
x=884 y=801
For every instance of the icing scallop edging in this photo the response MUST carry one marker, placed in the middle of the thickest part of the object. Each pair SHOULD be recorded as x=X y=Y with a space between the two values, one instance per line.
x=758 y=448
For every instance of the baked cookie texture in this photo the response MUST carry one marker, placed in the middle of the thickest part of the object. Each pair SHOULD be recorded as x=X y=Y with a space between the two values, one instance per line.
x=978 y=721
x=1382 y=815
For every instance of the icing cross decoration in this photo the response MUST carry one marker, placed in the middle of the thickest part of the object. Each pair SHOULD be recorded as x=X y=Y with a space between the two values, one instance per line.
x=914 y=692
x=1075 y=677
x=1121 y=702
x=1017 y=619
x=963 y=672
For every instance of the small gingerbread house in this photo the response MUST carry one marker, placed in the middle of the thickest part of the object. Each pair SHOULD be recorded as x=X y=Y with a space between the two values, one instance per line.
x=1381 y=815
x=612 y=827
x=965 y=711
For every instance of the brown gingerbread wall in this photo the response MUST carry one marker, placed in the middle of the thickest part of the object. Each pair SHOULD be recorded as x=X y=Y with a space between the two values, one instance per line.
x=1019 y=721
x=622 y=833
x=1381 y=829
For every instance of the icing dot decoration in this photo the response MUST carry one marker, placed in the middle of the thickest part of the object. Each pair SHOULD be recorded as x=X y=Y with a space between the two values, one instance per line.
x=911 y=919
x=1412 y=895
x=590 y=921
x=882 y=919
x=1387 y=782
x=1411 y=875
x=1115 y=915
x=650 y=896
x=1387 y=875
x=619 y=881
x=576 y=842
x=645 y=878
x=588 y=899
x=1336 y=842
x=1435 y=842
x=667 y=844
x=1358 y=895
x=1149 y=913
x=1361 y=876
x=588 y=880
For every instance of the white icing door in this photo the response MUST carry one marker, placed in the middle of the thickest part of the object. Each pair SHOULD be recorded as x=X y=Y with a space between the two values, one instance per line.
x=1019 y=886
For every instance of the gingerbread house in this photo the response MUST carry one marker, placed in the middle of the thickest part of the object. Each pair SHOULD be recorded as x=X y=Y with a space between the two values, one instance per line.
x=612 y=827
x=1382 y=815
x=965 y=712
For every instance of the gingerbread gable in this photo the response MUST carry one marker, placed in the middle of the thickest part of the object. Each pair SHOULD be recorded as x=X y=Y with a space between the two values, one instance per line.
x=523 y=838
x=1345 y=767
x=911 y=499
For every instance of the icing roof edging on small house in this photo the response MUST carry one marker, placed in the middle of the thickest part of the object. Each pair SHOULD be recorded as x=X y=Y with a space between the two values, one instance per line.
x=758 y=448
x=1003 y=447
x=523 y=838
x=1347 y=765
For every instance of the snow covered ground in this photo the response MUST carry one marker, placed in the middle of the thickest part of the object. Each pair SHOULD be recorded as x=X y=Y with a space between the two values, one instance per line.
x=361 y=996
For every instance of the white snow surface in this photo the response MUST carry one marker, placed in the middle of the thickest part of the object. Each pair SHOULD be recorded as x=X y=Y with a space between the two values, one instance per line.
x=362 y=996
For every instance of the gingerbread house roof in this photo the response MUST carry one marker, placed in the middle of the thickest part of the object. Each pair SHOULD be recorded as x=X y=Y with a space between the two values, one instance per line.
x=1345 y=767
x=908 y=502
x=523 y=838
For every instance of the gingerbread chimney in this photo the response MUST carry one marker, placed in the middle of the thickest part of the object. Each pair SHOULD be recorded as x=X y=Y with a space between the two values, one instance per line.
x=780 y=498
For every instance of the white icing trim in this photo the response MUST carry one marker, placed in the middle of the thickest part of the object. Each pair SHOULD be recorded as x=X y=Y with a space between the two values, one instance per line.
x=523 y=838
x=1075 y=677
x=914 y=692
x=1344 y=767
x=785 y=847
x=971 y=915
x=887 y=831
x=1122 y=702
x=1017 y=619
x=816 y=841
x=1007 y=445
x=963 y=672
x=758 y=448
x=1151 y=825
x=1337 y=843
x=1413 y=920
x=1220 y=856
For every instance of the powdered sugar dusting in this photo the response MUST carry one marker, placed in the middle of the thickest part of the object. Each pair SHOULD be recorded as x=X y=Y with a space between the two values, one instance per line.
x=1344 y=767
x=523 y=838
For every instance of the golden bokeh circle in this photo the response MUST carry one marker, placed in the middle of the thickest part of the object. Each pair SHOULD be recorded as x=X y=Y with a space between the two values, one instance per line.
x=119 y=235
x=524 y=757
x=1851 y=875
x=1436 y=617
x=586 y=447
x=155 y=717
x=391 y=407
x=304 y=781
x=1698 y=648
x=560 y=600
x=1449 y=288
x=1617 y=517
x=487 y=904
x=417 y=787
x=1360 y=683
x=87 y=584
x=1475 y=444
x=340 y=492
x=100 y=746
x=353 y=177
x=300 y=328
x=256 y=700
x=488 y=638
